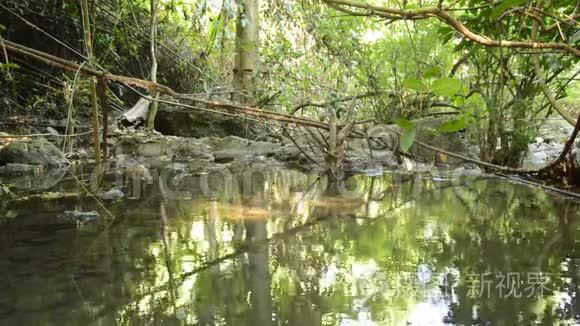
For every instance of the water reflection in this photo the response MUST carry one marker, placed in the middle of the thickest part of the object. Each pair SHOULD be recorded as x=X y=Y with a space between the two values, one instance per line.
x=276 y=249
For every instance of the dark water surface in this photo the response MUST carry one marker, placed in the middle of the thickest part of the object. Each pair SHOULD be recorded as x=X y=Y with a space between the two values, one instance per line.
x=393 y=250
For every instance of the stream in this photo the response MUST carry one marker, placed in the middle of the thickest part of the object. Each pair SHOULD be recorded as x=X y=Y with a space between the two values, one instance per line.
x=268 y=247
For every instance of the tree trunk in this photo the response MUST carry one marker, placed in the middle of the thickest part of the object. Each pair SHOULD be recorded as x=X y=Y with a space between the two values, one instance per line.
x=247 y=41
x=92 y=80
x=153 y=37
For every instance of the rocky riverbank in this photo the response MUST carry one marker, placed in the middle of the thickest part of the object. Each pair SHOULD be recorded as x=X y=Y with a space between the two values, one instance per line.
x=34 y=162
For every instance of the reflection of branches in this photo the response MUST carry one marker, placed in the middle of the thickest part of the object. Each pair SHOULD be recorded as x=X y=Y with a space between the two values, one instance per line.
x=251 y=245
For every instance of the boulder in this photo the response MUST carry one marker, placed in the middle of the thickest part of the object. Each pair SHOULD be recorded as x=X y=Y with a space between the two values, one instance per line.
x=232 y=147
x=24 y=176
x=113 y=194
x=80 y=218
x=153 y=145
x=427 y=132
x=185 y=122
x=30 y=151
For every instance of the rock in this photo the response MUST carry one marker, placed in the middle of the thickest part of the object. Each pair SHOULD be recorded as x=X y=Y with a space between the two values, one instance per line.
x=540 y=154
x=184 y=122
x=24 y=176
x=539 y=140
x=154 y=145
x=426 y=132
x=232 y=147
x=19 y=169
x=31 y=151
x=452 y=142
x=113 y=194
x=82 y=217
x=467 y=170
x=80 y=154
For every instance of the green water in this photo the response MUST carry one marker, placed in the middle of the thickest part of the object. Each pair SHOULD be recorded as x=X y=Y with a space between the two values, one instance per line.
x=392 y=250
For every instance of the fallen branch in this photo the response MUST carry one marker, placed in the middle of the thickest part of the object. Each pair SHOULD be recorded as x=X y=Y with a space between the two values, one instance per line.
x=71 y=66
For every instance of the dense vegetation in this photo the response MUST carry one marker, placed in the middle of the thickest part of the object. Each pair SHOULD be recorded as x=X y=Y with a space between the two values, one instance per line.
x=394 y=62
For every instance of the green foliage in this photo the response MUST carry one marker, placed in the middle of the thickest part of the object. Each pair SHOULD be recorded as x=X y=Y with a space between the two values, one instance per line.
x=407 y=140
x=8 y=66
x=413 y=84
x=404 y=124
x=446 y=86
x=505 y=5
x=453 y=125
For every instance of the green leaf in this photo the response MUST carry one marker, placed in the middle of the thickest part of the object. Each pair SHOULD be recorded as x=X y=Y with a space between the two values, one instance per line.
x=446 y=86
x=432 y=72
x=505 y=5
x=407 y=140
x=404 y=124
x=9 y=65
x=452 y=125
x=413 y=84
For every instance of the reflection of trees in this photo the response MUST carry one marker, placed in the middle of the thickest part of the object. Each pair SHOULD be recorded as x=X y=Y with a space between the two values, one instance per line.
x=440 y=226
x=204 y=268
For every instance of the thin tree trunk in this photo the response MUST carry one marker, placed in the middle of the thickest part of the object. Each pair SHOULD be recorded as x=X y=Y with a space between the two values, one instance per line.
x=247 y=40
x=153 y=37
x=92 y=82
x=102 y=93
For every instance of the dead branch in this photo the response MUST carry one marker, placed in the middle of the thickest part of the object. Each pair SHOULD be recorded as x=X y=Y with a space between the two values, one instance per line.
x=299 y=147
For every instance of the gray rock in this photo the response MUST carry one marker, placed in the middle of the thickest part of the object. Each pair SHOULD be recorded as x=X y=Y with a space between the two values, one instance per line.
x=426 y=132
x=31 y=151
x=82 y=217
x=183 y=122
x=19 y=169
x=467 y=170
x=540 y=154
x=232 y=147
x=155 y=145
x=113 y=194
x=24 y=176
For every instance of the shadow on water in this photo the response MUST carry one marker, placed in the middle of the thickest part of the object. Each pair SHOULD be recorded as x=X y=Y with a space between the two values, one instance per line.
x=275 y=248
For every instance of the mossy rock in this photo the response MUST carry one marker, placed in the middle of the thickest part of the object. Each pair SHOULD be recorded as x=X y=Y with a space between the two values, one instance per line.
x=31 y=151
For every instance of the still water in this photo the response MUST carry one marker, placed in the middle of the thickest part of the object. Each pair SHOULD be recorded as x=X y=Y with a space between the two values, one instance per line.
x=275 y=249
